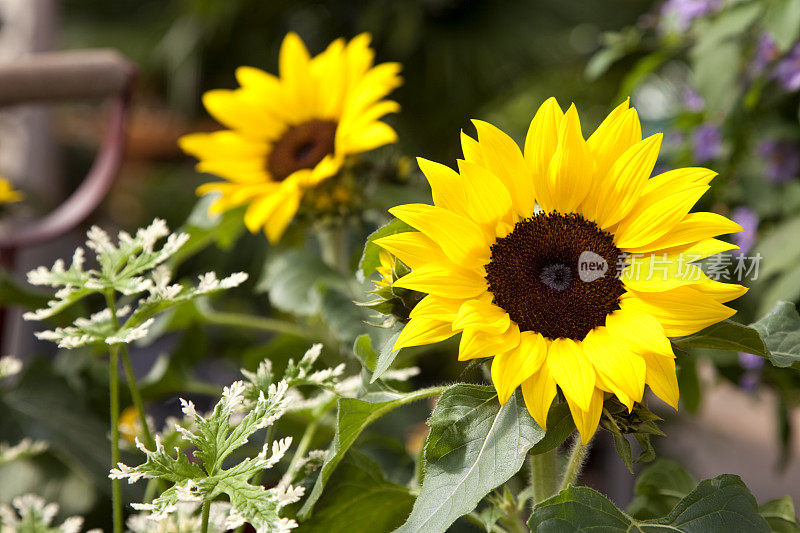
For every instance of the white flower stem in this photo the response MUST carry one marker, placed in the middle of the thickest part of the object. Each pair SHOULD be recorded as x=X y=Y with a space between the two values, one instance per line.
x=577 y=456
x=544 y=477
x=113 y=392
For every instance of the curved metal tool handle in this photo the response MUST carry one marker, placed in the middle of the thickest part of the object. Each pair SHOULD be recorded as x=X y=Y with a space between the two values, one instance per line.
x=59 y=77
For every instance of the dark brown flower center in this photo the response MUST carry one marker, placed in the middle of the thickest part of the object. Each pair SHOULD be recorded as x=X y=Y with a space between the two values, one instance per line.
x=556 y=274
x=302 y=146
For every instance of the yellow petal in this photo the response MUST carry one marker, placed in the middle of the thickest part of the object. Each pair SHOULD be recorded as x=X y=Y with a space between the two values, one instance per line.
x=503 y=158
x=587 y=420
x=719 y=291
x=459 y=237
x=619 y=131
x=681 y=311
x=639 y=331
x=419 y=331
x=662 y=379
x=694 y=227
x=452 y=282
x=622 y=369
x=511 y=368
x=538 y=392
x=540 y=145
x=699 y=250
x=488 y=200
x=471 y=149
x=476 y=343
x=368 y=138
x=625 y=181
x=234 y=110
x=571 y=169
x=482 y=315
x=572 y=370
x=437 y=307
x=660 y=272
x=413 y=248
x=293 y=63
x=283 y=214
x=446 y=186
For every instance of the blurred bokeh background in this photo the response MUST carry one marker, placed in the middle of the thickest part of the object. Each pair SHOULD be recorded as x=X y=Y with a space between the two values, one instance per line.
x=719 y=77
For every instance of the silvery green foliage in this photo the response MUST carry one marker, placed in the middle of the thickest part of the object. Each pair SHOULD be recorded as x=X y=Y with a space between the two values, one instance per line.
x=24 y=448
x=214 y=438
x=329 y=380
x=186 y=519
x=9 y=366
x=32 y=513
x=133 y=266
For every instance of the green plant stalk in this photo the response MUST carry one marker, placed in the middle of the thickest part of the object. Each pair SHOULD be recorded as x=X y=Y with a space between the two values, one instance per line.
x=544 y=477
x=242 y=320
x=113 y=390
x=136 y=396
x=577 y=456
x=206 y=513
x=308 y=436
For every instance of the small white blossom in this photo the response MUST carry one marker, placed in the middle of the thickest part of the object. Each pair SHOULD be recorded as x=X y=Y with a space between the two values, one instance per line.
x=9 y=366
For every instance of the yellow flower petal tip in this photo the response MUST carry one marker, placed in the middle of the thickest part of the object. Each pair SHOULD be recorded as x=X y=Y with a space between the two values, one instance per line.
x=539 y=290
x=286 y=134
x=8 y=194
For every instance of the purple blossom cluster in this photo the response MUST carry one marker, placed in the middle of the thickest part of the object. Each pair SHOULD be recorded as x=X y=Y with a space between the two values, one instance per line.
x=678 y=15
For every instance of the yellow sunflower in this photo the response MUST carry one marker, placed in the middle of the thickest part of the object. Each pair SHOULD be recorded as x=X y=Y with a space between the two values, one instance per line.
x=568 y=263
x=289 y=133
x=7 y=193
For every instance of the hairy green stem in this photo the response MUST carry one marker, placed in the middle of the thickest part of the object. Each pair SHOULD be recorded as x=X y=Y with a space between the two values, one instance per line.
x=113 y=392
x=577 y=456
x=206 y=513
x=544 y=477
x=474 y=517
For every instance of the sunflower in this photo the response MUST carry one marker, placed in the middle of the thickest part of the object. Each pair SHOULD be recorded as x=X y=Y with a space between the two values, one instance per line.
x=7 y=193
x=289 y=133
x=567 y=263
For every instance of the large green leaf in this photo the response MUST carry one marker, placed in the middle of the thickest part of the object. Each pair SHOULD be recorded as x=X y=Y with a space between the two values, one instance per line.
x=353 y=417
x=780 y=329
x=474 y=446
x=659 y=488
x=293 y=279
x=780 y=515
x=726 y=335
x=782 y=21
x=720 y=504
x=359 y=499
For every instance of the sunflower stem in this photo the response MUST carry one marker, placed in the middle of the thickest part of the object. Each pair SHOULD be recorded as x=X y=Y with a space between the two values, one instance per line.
x=544 y=476
x=577 y=456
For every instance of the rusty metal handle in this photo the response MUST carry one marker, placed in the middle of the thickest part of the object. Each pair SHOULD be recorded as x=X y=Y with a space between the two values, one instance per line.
x=63 y=76
x=58 y=77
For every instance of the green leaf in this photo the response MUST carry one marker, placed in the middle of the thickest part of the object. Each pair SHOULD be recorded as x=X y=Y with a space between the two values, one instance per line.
x=293 y=279
x=780 y=329
x=719 y=504
x=369 y=258
x=780 y=515
x=205 y=229
x=386 y=356
x=560 y=425
x=782 y=21
x=359 y=499
x=726 y=335
x=474 y=445
x=778 y=248
x=344 y=318
x=365 y=352
x=353 y=417
x=659 y=488
x=715 y=71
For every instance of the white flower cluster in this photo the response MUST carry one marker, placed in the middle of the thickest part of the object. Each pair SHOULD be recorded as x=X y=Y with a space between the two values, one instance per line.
x=185 y=519
x=32 y=513
x=133 y=266
x=9 y=366
x=214 y=438
x=24 y=448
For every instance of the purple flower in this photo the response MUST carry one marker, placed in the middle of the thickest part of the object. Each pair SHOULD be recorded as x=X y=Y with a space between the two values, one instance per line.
x=767 y=51
x=752 y=365
x=707 y=142
x=782 y=160
x=750 y=361
x=677 y=15
x=692 y=101
x=748 y=219
x=787 y=71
